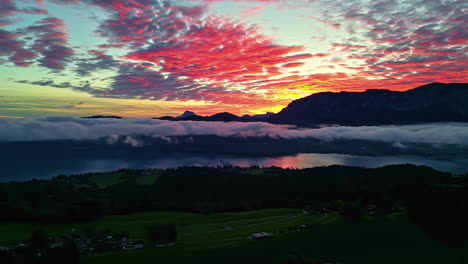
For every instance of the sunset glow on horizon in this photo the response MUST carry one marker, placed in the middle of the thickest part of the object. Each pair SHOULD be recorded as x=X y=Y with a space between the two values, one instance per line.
x=147 y=58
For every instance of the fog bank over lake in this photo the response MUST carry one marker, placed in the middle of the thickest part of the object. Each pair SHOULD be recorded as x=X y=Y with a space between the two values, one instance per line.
x=45 y=147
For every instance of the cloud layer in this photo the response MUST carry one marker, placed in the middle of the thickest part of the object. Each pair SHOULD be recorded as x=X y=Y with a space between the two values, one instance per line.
x=127 y=130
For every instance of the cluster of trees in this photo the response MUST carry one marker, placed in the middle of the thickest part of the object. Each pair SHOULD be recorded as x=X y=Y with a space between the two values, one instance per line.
x=50 y=201
x=435 y=199
x=162 y=233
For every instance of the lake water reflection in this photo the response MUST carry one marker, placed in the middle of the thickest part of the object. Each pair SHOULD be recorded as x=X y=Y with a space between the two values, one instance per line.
x=50 y=168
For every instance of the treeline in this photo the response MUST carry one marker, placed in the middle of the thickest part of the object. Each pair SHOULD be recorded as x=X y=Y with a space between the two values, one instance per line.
x=53 y=201
x=435 y=200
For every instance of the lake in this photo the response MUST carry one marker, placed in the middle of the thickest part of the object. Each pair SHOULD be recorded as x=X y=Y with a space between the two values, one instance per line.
x=18 y=170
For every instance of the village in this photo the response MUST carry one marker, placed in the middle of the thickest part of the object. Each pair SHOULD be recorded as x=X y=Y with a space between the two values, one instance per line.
x=158 y=236
x=75 y=243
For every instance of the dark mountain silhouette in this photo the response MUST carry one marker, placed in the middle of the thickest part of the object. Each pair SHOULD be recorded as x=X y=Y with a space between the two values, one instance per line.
x=435 y=102
x=190 y=116
x=254 y=118
x=225 y=116
x=186 y=114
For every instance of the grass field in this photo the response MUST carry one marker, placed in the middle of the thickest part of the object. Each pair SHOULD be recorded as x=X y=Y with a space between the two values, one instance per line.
x=190 y=227
x=104 y=180
x=147 y=179
x=392 y=240
x=220 y=238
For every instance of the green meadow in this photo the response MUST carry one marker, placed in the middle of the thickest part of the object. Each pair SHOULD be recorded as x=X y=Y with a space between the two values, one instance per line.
x=190 y=227
x=387 y=241
x=104 y=180
x=221 y=238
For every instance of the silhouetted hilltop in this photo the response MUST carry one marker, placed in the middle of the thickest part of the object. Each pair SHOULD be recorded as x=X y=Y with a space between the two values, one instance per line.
x=224 y=117
x=261 y=117
x=435 y=102
x=186 y=114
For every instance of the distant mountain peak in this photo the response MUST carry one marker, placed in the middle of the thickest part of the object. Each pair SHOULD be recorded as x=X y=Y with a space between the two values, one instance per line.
x=187 y=113
x=433 y=102
x=440 y=85
x=224 y=114
x=260 y=117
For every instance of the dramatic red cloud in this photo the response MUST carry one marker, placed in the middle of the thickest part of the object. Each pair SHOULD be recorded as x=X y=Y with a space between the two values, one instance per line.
x=222 y=50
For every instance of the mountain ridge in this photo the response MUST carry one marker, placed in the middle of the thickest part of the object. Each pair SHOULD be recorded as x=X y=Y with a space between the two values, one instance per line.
x=433 y=102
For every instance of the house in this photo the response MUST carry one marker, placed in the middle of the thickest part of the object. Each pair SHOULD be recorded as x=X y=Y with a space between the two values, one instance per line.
x=261 y=235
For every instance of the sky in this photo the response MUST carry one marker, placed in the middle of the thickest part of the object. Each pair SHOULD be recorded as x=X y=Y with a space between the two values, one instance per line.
x=149 y=58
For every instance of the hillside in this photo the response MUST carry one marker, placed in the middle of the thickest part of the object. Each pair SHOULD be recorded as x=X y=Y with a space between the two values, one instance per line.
x=435 y=102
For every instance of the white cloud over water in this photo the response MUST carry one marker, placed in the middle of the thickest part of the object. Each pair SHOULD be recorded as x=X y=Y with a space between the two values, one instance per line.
x=69 y=128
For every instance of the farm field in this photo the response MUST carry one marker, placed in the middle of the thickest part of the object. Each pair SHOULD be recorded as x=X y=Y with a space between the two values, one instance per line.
x=221 y=238
x=190 y=227
x=391 y=240
x=104 y=180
